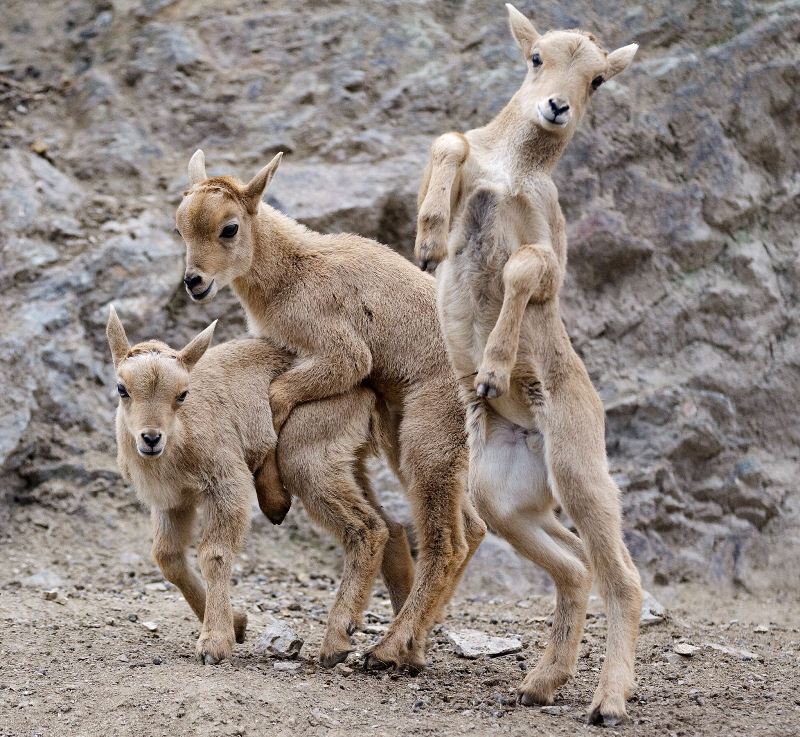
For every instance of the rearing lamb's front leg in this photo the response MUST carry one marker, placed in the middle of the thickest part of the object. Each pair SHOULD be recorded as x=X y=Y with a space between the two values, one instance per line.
x=531 y=273
x=436 y=198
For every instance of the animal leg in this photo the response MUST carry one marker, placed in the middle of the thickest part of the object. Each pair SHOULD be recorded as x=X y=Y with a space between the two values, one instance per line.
x=227 y=517
x=509 y=483
x=531 y=273
x=436 y=198
x=273 y=499
x=580 y=475
x=172 y=532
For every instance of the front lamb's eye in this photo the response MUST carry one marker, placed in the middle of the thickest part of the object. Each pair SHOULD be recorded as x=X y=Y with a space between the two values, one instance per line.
x=229 y=231
x=123 y=392
x=597 y=81
x=182 y=396
x=536 y=59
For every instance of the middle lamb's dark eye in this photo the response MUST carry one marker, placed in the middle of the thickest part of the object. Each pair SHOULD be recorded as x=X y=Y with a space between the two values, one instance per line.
x=536 y=59
x=229 y=231
x=123 y=392
x=182 y=396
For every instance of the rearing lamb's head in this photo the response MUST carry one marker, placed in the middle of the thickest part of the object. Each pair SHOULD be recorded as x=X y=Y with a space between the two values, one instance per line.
x=216 y=220
x=564 y=69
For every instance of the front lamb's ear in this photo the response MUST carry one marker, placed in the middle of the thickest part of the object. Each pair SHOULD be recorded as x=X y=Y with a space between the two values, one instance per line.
x=196 y=347
x=620 y=60
x=255 y=188
x=523 y=31
x=197 y=167
x=117 y=340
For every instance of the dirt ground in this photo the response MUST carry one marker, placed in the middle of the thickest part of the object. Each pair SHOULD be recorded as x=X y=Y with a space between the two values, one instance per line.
x=84 y=663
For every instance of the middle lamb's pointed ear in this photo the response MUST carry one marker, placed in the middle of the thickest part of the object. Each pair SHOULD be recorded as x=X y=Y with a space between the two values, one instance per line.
x=523 y=31
x=197 y=167
x=117 y=340
x=196 y=347
x=620 y=60
x=255 y=188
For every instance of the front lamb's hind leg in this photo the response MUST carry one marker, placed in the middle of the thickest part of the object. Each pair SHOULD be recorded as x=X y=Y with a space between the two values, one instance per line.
x=531 y=273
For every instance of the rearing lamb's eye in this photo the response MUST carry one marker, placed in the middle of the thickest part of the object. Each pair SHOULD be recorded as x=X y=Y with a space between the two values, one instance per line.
x=181 y=398
x=123 y=392
x=597 y=81
x=229 y=231
x=536 y=59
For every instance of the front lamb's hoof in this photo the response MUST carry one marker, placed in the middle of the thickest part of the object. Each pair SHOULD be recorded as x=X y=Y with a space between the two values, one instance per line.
x=213 y=648
x=491 y=383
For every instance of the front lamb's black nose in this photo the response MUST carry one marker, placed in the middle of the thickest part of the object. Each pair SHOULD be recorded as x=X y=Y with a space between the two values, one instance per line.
x=558 y=105
x=192 y=280
x=151 y=439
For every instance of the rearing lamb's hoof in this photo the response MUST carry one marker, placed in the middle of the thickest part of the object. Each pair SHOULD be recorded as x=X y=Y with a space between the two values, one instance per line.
x=486 y=391
x=491 y=383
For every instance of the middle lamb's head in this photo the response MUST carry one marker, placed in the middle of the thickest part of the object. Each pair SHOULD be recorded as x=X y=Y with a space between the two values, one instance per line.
x=217 y=221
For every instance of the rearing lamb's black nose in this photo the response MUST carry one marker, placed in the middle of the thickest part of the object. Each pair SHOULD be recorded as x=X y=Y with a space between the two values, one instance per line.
x=151 y=439
x=192 y=280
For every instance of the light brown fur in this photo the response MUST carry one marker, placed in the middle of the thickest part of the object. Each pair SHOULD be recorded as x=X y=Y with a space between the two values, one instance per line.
x=489 y=212
x=208 y=447
x=352 y=312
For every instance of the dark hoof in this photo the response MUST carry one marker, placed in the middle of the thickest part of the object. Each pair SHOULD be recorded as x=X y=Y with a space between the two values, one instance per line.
x=527 y=699
x=277 y=517
x=598 y=719
x=332 y=660
x=208 y=659
x=371 y=662
x=486 y=391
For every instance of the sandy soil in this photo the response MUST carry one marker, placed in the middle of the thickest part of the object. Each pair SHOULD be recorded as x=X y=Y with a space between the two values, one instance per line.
x=84 y=664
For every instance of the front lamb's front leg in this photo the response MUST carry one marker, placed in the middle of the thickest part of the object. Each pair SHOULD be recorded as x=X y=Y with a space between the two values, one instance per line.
x=436 y=199
x=227 y=519
x=530 y=274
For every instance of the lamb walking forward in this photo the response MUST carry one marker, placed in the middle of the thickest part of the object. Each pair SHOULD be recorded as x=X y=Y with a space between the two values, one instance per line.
x=191 y=427
x=489 y=218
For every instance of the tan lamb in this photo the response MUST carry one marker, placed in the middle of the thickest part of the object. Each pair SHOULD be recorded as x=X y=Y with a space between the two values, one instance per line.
x=489 y=217
x=192 y=426
x=352 y=312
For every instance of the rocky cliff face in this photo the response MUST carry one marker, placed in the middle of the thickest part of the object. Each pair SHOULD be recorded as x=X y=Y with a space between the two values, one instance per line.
x=681 y=192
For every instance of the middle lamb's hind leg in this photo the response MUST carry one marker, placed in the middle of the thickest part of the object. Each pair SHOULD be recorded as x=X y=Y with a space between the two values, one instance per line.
x=318 y=453
x=509 y=484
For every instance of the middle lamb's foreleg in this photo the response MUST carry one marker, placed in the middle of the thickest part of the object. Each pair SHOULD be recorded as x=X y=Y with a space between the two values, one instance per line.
x=436 y=198
x=531 y=274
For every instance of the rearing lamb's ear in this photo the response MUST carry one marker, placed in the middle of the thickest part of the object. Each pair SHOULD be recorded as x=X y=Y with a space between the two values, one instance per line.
x=117 y=340
x=523 y=31
x=197 y=167
x=255 y=188
x=620 y=60
x=196 y=347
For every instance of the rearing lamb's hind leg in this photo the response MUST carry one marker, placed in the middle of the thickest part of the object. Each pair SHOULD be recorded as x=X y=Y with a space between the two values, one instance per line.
x=509 y=483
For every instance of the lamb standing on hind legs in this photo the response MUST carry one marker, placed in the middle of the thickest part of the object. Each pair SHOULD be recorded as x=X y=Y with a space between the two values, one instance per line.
x=352 y=311
x=489 y=212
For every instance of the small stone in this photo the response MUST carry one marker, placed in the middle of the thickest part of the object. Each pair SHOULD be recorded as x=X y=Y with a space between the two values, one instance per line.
x=287 y=666
x=279 y=640
x=160 y=586
x=734 y=652
x=343 y=669
x=150 y=626
x=157 y=660
x=39 y=147
x=474 y=643
x=685 y=649
x=111 y=621
x=51 y=595
x=555 y=711
x=761 y=628
x=653 y=612
x=133 y=617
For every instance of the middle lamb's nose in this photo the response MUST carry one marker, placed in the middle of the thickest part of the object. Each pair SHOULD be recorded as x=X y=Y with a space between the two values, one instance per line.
x=192 y=280
x=151 y=439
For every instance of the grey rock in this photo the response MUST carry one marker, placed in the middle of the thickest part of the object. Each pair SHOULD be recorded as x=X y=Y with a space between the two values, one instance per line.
x=652 y=611
x=469 y=643
x=279 y=640
x=734 y=652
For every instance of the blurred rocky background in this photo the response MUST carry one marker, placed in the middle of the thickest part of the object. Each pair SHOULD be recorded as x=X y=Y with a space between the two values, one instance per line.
x=681 y=191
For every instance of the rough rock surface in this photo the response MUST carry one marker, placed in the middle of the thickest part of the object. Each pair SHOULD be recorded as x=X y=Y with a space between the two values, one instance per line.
x=680 y=190
x=474 y=644
x=279 y=640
